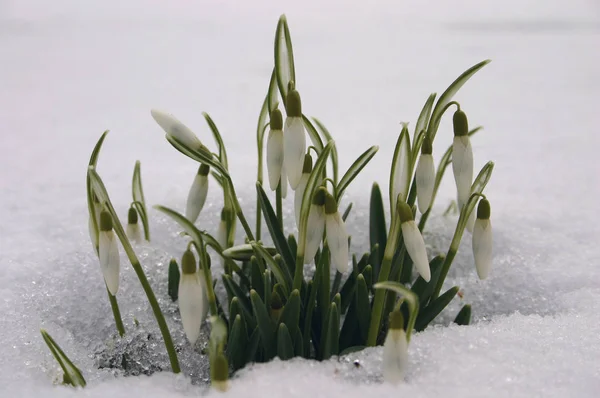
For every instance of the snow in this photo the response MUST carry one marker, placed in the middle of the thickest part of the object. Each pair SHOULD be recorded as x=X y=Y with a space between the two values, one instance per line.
x=71 y=69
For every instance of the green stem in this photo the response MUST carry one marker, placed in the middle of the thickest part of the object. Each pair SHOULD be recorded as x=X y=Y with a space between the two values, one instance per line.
x=279 y=205
x=379 y=300
x=212 y=299
x=258 y=219
x=238 y=208
x=424 y=218
x=443 y=273
x=114 y=305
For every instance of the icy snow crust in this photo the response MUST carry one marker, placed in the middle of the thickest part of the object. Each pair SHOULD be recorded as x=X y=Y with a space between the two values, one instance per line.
x=72 y=69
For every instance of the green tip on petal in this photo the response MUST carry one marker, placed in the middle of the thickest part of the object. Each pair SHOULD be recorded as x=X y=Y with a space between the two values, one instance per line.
x=188 y=262
x=484 y=210
x=205 y=151
x=276 y=302
x=319 y=196
x=294 y=104
x=308 y=164
x=132 y=216
x=291 y=85
x=330 y=204
x=461 y=125
x=225 y=214
x=219 y=369
x=427 y=147
x=276 y=120
x=404 y=212
x=106 y=223
x=203 y=169
x=396 y=320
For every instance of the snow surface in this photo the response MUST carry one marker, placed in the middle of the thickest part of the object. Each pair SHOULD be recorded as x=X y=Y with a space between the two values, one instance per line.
x=71 y=69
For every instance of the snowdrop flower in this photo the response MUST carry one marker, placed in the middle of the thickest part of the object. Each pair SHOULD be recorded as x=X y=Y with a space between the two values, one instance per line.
x=482 y=240
x=219 y=373
x=425 y=176
x=193 y=301
x=395 y=350
x=108 y=252
x=175 y=129
x=133 y=228
x=413 y=240
x=294 y=140
x=94 y=231
x=462 y=158
x=275 y=149
x=315 y=225
x=306 y=170
x=197 y=196
x=337 y=236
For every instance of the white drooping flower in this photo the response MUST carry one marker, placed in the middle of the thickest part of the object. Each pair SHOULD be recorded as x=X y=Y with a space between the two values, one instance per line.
x=425 y=176
x=94 y=230
x=133 y=229
x=275 y=149
x=299 y=193
x=294 y=139
x=193 y=301
x=315 y=225
x=401 y=165
x=395 y=350
x=197 y=196
x=176 y=129
x=482 y=240
x=108 y=253
x=413 y=240
x=337 y=236
x=462 y=158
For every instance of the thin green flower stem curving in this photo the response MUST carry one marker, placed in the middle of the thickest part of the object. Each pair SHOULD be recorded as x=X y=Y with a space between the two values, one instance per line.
x=238 y=207
x=386 y=265
x=114 y=305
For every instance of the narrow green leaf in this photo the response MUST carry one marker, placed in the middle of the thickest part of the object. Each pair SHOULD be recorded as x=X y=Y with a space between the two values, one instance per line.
x=284 y=57
x=237 y=344
x=72 y=375
x=363 y=307
x=256 y=276
x=137 y=193
x=236 y=307
x=252 y=351
x=401 y=173
x=265 y=325
x=347 y=292
x=446 y=97
x=347 y=211
x=293 y=245
x=285 y=346
x=272 y=96
x=313 y=134
x=174 y=276
x=291 y=311
x=350 y=335
x=245 y=252
x=334 y=154
x=429 y=313
x=218 y=140
x=377 y=225
x=425 y=289
x=236 y=291
x=298 y=342
x=354 y=170
x=463 y=317
x=268 y=286
x=423 y=119
x=368 y=275
x=409 y=296
x=331 y=346
x=282 y=274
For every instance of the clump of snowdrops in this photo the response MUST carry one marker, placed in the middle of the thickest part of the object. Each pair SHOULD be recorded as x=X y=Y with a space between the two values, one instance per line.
x=271 y=310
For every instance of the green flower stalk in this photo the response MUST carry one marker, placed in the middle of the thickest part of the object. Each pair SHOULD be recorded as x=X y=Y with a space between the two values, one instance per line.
x=299 y=193
x=395 y=350
x=133 y=229
x=193 y=300
x=222 y=232
x=294 y=138
x=315 y=225
x=108 y=252
x=197 y=195
x=482 y=240
x=425 y=176
x=337 y=236
x=413 y=241
x=275 y=149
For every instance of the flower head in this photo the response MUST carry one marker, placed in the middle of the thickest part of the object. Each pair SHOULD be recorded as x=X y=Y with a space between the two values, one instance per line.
x=425 y=176
x=395 y=350
x=197 y=195
x=413 y=240
x=482 y=240
x=108 y=253
x=315 y=225
x=275 y=149
x=193 y=301
x=176 y=129
x=337 y=236
x=294 y=139
x=299 y=193
x=133 y=228
x=462 y=158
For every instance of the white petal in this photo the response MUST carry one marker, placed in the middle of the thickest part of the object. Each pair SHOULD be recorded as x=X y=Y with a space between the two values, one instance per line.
x=337 y=239
x=298 y=197
x=108 y=252
x=274 y=157
x=284 y=183
x=471 y=221
x=133 y=232
x=93 y=234
x=314 y=232
x=395 y=356
x=482 y=247
x=175 y=128
x=462 y=166
x=192 y=305
x=425 y=178
x=415 y=246
x=401 y=182
x=294 y=147
x=222 y=238
x=196 y=197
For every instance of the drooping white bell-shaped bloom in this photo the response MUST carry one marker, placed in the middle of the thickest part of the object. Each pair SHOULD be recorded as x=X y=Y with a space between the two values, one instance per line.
x=133 y=229
x=425 y=176
x=462 y=158
x=482 y=240
x=299 y=193
x=193 y=301
x=413 y=241
x=275 y=149
x=395 y=351
x=294 y=139
x=176 y=129
x=197 y=195
x=337 y=236
x=401 y=165
x=108 y=253
x=315 y=225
